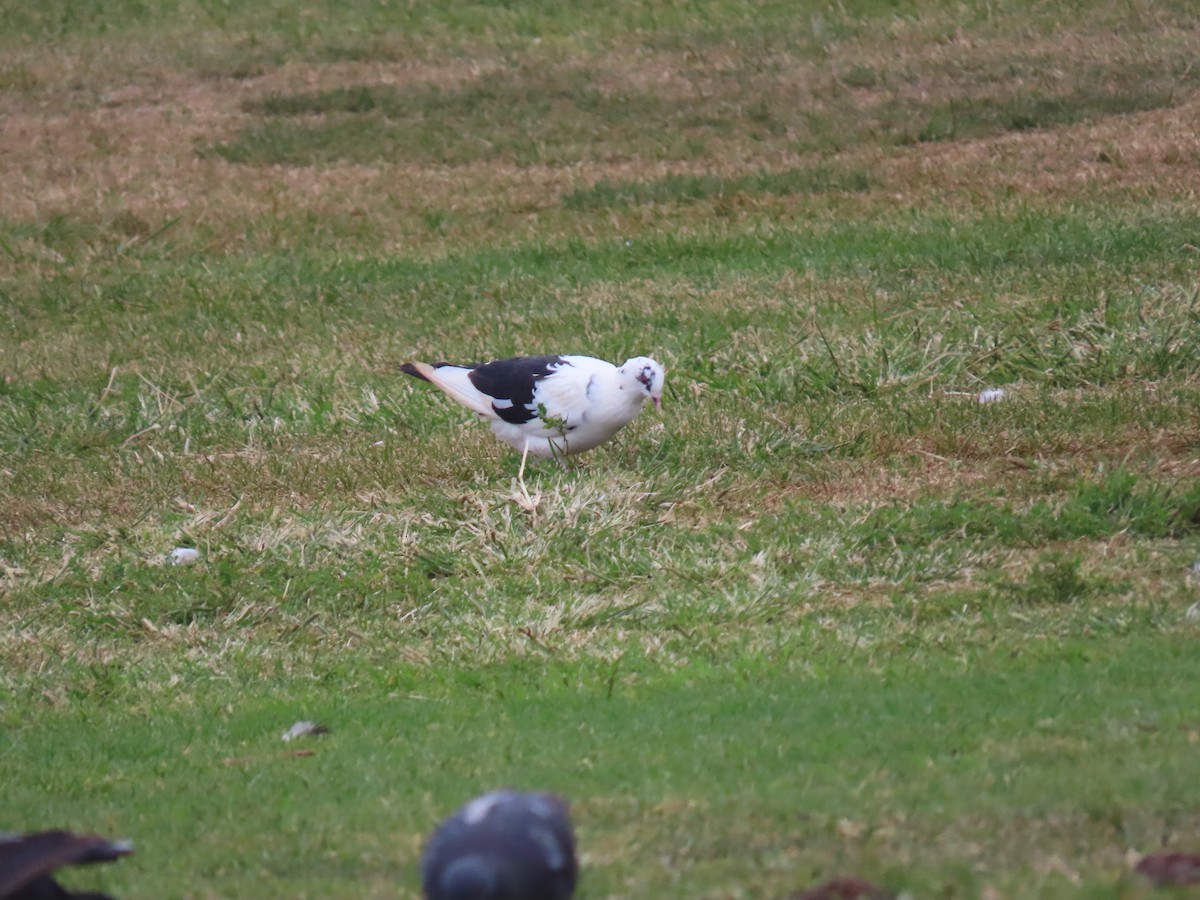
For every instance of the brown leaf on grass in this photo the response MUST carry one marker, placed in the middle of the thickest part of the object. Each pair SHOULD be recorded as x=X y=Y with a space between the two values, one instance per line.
x=1166 y=868
x=263 y=757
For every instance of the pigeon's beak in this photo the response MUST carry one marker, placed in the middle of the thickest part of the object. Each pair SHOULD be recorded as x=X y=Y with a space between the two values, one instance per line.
x=657 y=401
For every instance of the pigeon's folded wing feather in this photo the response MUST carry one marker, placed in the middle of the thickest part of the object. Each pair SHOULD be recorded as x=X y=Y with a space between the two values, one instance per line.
x=564 y=397
x=511 y=384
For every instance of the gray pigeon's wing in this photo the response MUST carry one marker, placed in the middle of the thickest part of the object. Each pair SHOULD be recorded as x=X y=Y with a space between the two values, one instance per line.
x=27 y=861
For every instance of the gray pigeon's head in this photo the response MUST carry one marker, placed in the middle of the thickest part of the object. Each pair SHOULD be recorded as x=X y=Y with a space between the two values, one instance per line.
x=503 y=846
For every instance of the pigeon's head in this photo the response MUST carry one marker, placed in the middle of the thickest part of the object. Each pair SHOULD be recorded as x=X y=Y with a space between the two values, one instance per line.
x=648 y=375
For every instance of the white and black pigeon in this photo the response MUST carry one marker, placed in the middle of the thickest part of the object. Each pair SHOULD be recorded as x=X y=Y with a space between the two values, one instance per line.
x=28 y=862
x=550 y=405
x=506 y=845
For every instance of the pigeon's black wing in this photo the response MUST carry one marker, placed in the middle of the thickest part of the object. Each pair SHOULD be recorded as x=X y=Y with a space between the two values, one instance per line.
x=28 y=861
x=512 y=382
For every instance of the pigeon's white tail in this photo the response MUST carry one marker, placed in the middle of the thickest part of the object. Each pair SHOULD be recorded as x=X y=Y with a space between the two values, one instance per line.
x=454 y=382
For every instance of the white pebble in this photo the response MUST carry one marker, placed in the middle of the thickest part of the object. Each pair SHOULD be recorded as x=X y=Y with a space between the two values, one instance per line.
x=182 y=556
x=991 y=395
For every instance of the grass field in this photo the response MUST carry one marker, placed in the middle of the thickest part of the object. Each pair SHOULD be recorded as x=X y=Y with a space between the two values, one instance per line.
x=827 y=613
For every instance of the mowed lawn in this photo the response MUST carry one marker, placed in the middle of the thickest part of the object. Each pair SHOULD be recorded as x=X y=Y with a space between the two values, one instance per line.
x=827 y=614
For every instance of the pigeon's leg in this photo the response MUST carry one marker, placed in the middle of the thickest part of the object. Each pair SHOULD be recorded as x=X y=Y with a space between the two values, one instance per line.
x=521 y=471
x=560 y=455
x=524 y=500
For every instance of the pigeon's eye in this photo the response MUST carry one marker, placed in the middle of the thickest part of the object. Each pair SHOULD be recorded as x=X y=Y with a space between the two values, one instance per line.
x=646 y=376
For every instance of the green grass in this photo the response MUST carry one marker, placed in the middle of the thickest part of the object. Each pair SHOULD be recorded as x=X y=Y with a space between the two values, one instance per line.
x=693 y=188
x=550 y=114
x=827 y=613
x=815 y=749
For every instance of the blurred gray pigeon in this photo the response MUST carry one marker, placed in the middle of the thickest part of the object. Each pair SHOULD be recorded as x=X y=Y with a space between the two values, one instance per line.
x=550 y=405
x=847 y=887
x=27 y=863
x=1166 y=868
x=503 y=846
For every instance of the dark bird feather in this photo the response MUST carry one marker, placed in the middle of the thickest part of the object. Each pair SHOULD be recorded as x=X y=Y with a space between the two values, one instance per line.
x=28 y=863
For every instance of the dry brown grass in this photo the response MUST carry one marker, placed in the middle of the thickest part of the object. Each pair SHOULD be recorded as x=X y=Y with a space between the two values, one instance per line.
x=128 y=147
x=1152 y=156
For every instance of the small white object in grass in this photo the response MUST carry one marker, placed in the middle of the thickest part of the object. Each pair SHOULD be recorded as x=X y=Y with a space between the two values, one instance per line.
x=1196 y=567
x=1193 y=613
x=182 y=556
x=300 y=729
x=991 y=395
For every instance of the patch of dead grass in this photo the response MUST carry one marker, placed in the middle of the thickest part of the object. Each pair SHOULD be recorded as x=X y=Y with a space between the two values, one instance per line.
x=134 y=150
x=1152 y=155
